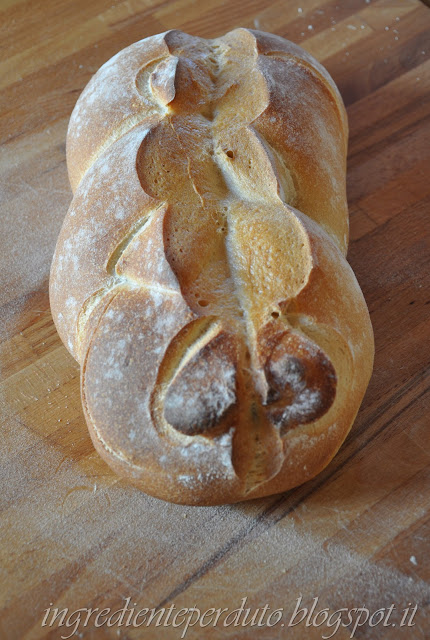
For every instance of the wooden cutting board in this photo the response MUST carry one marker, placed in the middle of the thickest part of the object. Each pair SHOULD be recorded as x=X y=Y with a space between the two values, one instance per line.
x=72 y=535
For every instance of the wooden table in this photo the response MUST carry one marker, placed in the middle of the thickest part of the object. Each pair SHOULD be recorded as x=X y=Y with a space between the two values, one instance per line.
x=358 y=534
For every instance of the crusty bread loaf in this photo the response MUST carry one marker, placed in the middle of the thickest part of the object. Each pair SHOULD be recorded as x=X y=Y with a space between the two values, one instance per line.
x=200 y=276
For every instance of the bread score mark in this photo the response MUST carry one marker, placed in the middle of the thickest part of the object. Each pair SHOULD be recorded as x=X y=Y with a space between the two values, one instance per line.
x=199 y=153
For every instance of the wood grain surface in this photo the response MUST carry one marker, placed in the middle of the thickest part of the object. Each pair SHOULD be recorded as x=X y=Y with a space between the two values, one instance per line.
x=71 y=534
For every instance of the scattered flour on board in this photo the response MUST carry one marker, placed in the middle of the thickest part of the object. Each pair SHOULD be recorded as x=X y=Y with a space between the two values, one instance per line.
x=32 y=208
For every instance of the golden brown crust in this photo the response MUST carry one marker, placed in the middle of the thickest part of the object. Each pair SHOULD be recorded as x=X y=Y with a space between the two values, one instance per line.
x=200 y=275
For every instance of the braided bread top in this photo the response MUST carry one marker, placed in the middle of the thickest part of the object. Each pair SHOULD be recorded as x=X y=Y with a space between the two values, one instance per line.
x=200 y=275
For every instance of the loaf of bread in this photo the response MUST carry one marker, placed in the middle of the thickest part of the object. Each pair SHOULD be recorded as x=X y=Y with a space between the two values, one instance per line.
x=200 y=277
